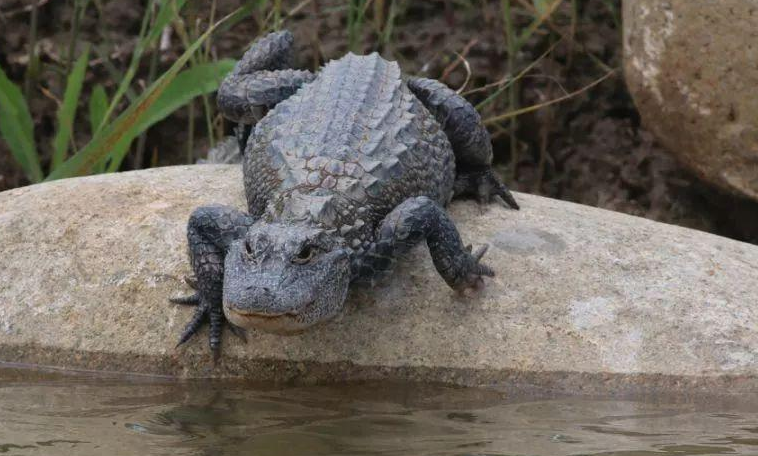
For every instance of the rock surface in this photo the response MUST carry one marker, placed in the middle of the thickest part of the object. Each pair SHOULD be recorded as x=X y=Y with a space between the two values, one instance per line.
x=690 y=67
x=584 y=299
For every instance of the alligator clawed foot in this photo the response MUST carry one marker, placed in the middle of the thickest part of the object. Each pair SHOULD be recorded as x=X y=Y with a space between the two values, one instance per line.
x=472 y=277
x=489 y=187
x=484 y=184
x=214 y=316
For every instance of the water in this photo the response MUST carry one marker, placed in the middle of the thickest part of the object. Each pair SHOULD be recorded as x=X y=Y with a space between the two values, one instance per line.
x=55 y=415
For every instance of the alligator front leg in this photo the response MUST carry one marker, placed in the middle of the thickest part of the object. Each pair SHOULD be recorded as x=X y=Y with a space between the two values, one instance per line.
x=421 y=218
x=469 y=138
x=210 y=232
x=259 y=81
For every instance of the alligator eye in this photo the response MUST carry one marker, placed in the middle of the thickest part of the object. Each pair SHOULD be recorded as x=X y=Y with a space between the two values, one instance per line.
x=305 y=255
x=248 y=248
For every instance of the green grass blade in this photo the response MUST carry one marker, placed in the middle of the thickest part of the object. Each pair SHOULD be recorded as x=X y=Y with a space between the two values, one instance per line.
x=541 y=6
x=190 y=83
x=386 y=36
x=544 y=12
x=193 y=82
x=123 y=126
x=355 y=16
x=17 y=128
x=98 y=105
x=67 y=109
x=17 y=103
x=169 y=9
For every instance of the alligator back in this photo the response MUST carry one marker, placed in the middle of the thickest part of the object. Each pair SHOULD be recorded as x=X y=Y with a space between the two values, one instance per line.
x=347 y=148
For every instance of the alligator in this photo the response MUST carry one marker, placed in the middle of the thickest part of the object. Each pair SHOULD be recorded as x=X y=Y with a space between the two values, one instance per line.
x=344 y=170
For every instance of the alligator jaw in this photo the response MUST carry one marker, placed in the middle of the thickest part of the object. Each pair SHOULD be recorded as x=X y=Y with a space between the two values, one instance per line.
x=276 y=323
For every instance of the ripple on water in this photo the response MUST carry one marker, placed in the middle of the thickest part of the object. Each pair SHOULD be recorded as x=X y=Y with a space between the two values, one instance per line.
x=73 y=415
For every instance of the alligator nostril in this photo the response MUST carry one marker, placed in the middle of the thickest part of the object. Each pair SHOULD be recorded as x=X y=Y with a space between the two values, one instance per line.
x=264 y=290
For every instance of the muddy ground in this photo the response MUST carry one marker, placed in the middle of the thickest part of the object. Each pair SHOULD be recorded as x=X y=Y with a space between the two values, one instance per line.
x=590 y=149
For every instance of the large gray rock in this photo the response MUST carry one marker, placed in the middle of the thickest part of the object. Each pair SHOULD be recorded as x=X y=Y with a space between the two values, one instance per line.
x=691 y=68
x=584 y=298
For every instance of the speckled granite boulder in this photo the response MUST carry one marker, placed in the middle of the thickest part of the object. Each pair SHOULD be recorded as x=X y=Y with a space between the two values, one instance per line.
x=691 y=69
x=584 y=299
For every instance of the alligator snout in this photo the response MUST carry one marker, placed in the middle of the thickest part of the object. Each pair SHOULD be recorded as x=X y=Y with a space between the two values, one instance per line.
x=257 y=300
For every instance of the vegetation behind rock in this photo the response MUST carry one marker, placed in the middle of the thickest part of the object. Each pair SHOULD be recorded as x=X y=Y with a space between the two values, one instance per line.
x=545 y=76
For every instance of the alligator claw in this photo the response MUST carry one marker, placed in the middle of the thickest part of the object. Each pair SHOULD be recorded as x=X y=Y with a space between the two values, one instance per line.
x=206 y=312
x=489 y=187
x=194 y=325
x=472 y=278
x=191 y=281
x=191 y=300
x=238 y=331
x=479 y=252
x=484 y=184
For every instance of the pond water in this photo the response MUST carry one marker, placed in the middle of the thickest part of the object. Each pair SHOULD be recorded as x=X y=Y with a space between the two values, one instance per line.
x=73 y=415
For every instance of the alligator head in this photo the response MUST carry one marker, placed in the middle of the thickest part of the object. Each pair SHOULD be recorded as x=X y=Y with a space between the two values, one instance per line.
x=283 y=278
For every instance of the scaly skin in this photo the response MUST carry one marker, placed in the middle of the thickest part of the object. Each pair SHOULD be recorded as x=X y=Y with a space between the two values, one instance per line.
x=344 y=170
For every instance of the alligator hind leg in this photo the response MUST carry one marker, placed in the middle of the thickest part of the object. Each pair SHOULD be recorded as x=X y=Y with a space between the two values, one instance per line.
x=260 y=80
x=210 y=232
x=420 y=218
x=469 y=138
x=243 y=98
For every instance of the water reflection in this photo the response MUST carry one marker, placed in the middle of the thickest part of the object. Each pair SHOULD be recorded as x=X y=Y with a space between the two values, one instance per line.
x=62 y=416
